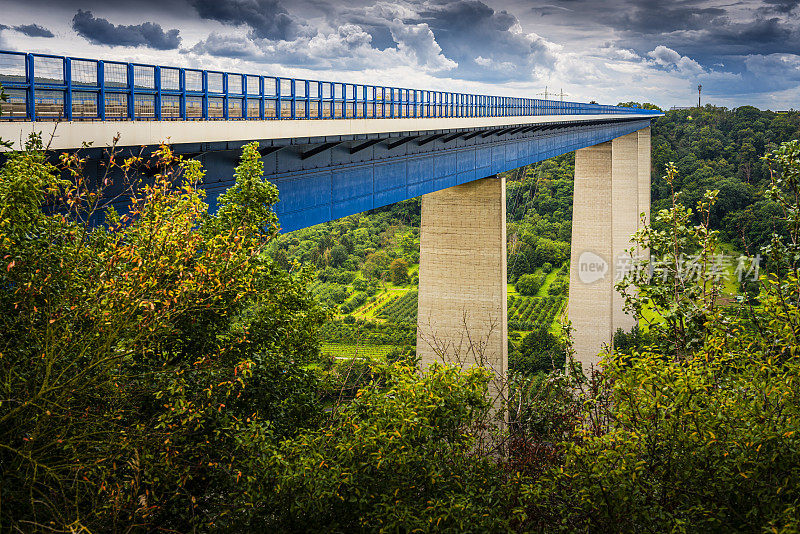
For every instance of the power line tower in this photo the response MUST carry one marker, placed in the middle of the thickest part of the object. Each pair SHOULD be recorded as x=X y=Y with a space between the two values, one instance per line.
x=545 y=93
x=699 y=90
x=561 y=95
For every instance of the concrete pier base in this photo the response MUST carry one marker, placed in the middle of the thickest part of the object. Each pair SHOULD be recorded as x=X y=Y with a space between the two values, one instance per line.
x=612 y=189
x=462 y=311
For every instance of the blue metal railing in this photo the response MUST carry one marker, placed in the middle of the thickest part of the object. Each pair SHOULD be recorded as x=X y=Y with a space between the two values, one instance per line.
x=47 y=87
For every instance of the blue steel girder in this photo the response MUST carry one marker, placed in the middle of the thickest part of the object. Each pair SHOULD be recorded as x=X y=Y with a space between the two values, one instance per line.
x=322 y=179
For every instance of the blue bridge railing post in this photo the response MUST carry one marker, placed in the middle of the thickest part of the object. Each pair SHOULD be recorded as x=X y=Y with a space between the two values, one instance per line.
x=205 y=95
x=293 y=101
x=101 y=92
x=261 y=97
x=225 y=98
x=131 y=94
x=182 y=97
x=67 y=88
x=157 y=85
x=30 y=75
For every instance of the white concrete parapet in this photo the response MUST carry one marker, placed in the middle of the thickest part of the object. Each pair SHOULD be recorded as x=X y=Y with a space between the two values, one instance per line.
x=68 y=135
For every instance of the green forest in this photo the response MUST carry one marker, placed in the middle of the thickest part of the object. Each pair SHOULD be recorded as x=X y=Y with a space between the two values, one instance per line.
x=367 y=264
x=181 y=370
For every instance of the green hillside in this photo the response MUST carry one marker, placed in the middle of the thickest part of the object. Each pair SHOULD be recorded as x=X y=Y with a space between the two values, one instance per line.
x=366 y=265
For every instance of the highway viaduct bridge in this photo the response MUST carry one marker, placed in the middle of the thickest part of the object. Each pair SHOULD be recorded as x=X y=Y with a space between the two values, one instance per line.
x=334 y=149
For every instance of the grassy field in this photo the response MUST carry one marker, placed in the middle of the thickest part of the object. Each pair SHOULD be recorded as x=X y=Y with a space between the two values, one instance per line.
x=370 y=309
x=340 y=350
x=401 y=309
x=551 y=276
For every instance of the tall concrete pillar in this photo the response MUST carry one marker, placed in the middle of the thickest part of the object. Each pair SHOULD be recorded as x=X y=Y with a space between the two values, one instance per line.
x=590 y=282
x=624 y=217
x=608 y=199
x=462 y=311
x=644 y=175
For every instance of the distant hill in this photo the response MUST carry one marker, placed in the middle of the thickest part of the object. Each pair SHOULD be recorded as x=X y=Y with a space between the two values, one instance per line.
x=719 y=148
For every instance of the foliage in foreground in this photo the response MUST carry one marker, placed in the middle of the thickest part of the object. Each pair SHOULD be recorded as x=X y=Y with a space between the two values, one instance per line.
x=145 y=361
x=402 y=455
x=697 y=432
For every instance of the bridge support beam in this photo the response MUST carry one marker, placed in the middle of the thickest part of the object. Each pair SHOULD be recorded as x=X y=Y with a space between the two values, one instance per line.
x=612 y=189
x=462 y=311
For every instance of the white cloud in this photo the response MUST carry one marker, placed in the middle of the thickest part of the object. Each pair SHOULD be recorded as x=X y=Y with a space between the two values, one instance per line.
x=669 y=58
x=786 y=66
x=347 y=47
x=418 y=41
x=623 y=54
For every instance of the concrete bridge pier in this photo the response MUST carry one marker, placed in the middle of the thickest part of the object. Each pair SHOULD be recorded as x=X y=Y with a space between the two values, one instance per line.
x=462 y=311
x=612 y=189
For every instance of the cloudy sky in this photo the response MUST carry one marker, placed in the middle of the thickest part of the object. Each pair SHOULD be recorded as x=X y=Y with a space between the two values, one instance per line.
x=742 y=52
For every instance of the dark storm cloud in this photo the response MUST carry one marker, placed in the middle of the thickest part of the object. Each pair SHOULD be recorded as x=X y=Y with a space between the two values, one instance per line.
x=761 y=36
x=782 y=7
x=267 y=19
x=31 y=30
x=708 y=33
x=34 y=30
x=659 y=16
x=101 y=31
x=731 y=43
x=639 y=16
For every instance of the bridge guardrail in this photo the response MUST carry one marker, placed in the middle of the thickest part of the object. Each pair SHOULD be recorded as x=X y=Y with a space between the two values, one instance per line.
x=48 y=87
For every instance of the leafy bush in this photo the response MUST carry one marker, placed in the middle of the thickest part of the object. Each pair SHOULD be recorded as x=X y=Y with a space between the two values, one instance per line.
x=400 y=457
x=398 y=272
x=539 y=351
x=559 y=286
x=148 y=359
x=529 y=284
x=359 y=284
